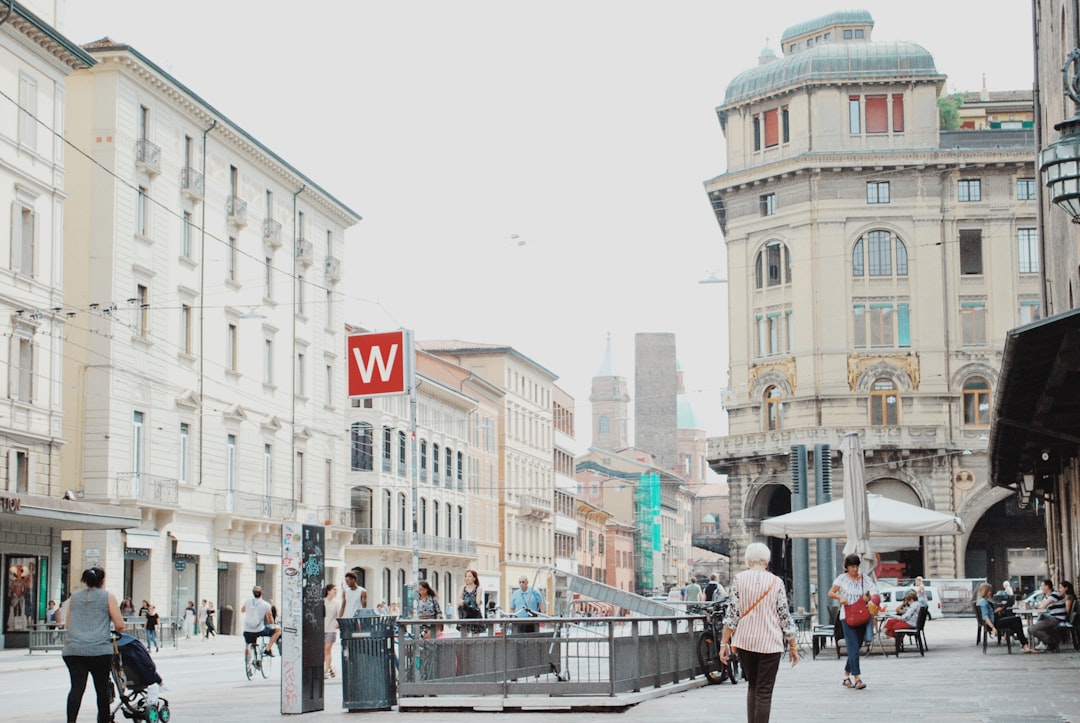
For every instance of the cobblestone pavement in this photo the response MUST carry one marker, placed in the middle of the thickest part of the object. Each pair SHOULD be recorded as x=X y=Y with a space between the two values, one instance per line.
x=955 y=681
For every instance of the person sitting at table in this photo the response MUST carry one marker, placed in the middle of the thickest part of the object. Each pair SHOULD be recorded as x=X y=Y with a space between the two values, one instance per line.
x=1055 y=610
x=1007 y=624
x=907 y=614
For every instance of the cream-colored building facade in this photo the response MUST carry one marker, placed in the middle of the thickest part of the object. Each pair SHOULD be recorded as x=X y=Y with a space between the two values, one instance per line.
x=204 y=375
x=875 y=264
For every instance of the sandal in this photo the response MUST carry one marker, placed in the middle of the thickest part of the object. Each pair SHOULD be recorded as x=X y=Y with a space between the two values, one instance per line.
x=847 y=683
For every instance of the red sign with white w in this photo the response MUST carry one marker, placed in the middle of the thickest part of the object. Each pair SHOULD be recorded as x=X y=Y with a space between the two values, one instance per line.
x=380 y=363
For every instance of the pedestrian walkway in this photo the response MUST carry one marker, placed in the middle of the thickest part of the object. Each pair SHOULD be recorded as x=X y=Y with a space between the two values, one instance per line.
x=954 y=681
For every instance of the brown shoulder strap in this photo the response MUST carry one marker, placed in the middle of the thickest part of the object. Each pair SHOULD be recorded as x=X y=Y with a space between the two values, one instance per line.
x=767 y=591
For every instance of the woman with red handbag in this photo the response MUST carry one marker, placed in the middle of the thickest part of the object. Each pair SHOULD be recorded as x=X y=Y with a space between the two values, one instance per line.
x=852 y=589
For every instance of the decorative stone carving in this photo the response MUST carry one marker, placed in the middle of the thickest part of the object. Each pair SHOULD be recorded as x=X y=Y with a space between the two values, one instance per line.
x=883 y=365
x=784 y=369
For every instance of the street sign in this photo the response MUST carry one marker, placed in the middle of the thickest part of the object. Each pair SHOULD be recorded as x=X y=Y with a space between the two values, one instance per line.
x=380 y=364
x=180 y=565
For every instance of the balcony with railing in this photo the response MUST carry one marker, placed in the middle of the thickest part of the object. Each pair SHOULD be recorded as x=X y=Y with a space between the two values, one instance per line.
x=272 y=233
x=147 y=156
x=333 y=269
x=533 y=506
x=191 y=183
x=236 y=210
x=147 y=490
x=402 y=540
x=335 y=516
x=305 y=252
x=251 y=506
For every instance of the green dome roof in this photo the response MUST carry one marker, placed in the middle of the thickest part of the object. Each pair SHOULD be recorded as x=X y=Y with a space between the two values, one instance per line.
x=832 y=62
x=685 y=413
x=709 y=518
x=840 y=17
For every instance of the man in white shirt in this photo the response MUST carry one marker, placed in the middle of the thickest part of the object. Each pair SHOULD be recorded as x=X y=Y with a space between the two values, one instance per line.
x=354 y=597
x=258 y=622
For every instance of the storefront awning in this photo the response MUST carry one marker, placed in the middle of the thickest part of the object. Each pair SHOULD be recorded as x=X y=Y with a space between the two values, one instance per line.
x=191 y=543
x=141 y=539
x=233 y=556
x=61 y=514
x=265 y=559
x=1037 y=400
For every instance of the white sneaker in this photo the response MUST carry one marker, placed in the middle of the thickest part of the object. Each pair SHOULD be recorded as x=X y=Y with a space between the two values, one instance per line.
x=1040 y=646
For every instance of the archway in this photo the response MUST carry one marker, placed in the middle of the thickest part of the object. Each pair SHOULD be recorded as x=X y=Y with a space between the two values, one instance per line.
x=901 y=557
x=773 y=500
x=1008 y=543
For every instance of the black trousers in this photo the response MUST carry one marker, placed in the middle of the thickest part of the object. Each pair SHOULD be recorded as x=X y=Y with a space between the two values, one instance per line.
x=97 y=666
x=760 y=670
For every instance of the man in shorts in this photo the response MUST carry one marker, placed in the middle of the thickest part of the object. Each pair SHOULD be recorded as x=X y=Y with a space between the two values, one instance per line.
x=259 y=622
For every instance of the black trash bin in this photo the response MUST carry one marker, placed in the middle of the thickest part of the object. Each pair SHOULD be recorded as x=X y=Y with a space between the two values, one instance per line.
x=368 y=674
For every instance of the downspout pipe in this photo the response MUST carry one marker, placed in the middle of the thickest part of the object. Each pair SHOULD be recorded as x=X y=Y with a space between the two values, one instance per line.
x=295 y=290
x=202 y=309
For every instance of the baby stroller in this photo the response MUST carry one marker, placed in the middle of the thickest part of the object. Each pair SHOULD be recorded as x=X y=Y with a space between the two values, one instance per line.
x=136 y=680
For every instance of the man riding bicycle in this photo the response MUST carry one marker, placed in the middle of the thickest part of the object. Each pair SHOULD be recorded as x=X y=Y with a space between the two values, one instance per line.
x=258 y=622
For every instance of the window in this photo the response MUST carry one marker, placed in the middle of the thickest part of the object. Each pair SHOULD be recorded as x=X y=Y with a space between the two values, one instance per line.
x=976 y=402
x=22 y=372
x=768 y=204
x=423 y=460
x=300 y=474
x=27 y=112
x=300 y=374
x=879 y=252
x=402 y=510
x=898 y=113
x=232 y=347
x=329 y=400
x=402 y=453
x=881 y=325
x=877 y=114
x=448 y=474
x=436 y=513
x=1030 y=310
x=185 y=329
x=772 y=266
x=1028 y=248
x=884 y=404
x=1025 y=189
x=757 y=133
x=847 y=35
x=973 y=322
x=23 y=237
x=877 y=192
x=785 y=124
x=859 y=34
x=185 y=452
x=435 y=459
x=268 y=361
x=142 y=211
x=234 y=181
x=969 y=189
x=268 y=469
x=138 y=426
x=971 y=252
x=300 y=294
x=185 y=239
x=422 y=516
x=772 y=408
x=233 y=259
x=854 y=114
x=268 y=278
x=773 y=333
x=142 y=313
x=362 y=457
x=772 y=131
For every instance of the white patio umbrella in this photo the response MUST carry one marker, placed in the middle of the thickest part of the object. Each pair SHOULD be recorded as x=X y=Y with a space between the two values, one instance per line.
x=856 y=506
x=889 y=518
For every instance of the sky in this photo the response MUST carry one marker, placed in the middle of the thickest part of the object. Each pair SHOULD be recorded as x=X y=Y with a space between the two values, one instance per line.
x=529 y=174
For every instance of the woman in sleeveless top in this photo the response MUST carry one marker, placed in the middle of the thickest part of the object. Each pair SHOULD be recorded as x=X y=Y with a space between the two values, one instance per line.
x=469 y=604
x=88 y=649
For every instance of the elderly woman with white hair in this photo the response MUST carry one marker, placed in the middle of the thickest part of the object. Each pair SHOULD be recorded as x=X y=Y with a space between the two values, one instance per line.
x=758 y=625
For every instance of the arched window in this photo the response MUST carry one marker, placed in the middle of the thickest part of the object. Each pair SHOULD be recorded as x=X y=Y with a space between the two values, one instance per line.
x=772 y=408
x=435 y=518
x=879 y=253
x=388 y=517
x=772 y=267
x=977 y=402
x=884 y=404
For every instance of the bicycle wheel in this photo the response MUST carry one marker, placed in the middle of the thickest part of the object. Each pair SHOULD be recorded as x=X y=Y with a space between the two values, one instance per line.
x=265 y=664
x=708 y=653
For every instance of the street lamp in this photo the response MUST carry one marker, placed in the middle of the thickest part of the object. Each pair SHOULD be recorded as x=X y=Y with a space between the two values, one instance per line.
x=1060 y=161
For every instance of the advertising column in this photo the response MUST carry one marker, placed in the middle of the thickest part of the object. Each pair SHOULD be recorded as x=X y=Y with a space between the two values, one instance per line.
x=303 y=568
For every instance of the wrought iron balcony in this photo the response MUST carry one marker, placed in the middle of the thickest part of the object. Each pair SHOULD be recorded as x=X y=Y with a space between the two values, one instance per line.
x=401 y=539
x=191 y=183
x=333 y=269
x=147 y=489
x=251 y=506
x=335 y=516
x=272 y=232
x=147 y=156
x=305 y=252
x=236 y=210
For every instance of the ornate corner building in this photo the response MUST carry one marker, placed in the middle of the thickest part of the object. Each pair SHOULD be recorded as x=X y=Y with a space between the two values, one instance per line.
x=880 y=244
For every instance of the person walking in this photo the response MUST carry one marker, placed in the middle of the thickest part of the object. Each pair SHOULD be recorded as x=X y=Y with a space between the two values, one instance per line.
x=427 y=608
x=330 y=625
x=88 y=649
x=468 y=604
x=152 y=621
x=758 y=625
x=200 y=620
x=851 y=588
x=189 y=619
x=354 y=596
x=526 y=602
x=210 y=629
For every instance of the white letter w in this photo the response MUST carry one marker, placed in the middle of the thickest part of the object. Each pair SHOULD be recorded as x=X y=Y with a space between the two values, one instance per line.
x=375 y=358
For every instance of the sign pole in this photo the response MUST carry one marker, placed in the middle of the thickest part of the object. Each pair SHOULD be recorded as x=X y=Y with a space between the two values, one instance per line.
x=414 y=475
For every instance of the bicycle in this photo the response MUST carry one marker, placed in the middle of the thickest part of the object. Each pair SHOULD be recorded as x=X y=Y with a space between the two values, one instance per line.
x=256 y=659
x=708 y=647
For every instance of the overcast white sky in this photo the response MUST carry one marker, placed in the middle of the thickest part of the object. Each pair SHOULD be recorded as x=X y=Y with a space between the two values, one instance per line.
x=585 y=127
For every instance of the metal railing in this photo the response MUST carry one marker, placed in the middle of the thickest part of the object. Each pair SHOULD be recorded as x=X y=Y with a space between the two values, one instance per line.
x=381 y=537
x=147 y=488
x=191 y=183
x=148 y=156
x=607 y=657
x=254 y=506
x=272 y=232
x=236 y=210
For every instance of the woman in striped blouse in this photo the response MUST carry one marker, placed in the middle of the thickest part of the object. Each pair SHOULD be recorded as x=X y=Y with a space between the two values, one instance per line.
x=759 y=622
